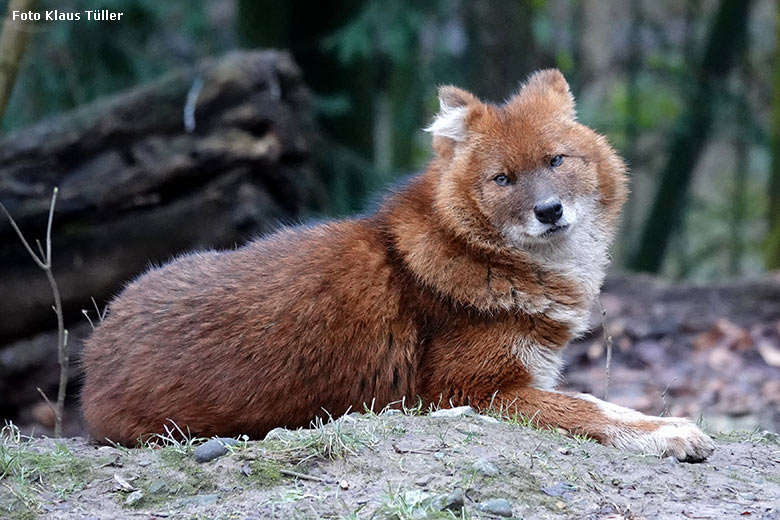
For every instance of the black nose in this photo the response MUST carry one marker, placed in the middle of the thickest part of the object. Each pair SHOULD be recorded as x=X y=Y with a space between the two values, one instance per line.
x=549 y=211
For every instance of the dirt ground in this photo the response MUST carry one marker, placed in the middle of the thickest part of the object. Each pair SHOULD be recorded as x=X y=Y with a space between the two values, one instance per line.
x=389 y=466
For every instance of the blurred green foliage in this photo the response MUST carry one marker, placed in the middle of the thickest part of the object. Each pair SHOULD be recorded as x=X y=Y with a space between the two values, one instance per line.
x=72 y=63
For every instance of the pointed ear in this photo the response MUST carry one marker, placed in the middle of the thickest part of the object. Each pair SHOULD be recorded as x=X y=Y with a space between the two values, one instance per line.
x=548 y=85
x=451 y=121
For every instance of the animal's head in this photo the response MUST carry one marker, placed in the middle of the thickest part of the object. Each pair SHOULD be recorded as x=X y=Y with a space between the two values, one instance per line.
x=524 y=173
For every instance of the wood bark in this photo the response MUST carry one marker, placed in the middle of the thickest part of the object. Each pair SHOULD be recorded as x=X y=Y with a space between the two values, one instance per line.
x=136 y=187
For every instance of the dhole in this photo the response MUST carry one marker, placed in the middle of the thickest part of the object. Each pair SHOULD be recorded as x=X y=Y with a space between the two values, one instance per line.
x=463 y=288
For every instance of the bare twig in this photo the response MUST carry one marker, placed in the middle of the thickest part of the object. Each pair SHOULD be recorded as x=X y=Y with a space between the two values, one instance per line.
x=302 y=476
x=45 y=398
x=101 y=315
x=608 y=343
x=419 y=452
x=44 y=262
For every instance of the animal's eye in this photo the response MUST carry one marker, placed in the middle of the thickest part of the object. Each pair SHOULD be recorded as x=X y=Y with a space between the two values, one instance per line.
x=557 y=160
x=502 y=180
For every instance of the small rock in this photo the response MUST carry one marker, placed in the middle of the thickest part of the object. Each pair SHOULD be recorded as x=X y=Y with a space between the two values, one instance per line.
x=458 y=411
x=133 y=498
x=213 y=448
x=671 y=460
x=488 y=419
x=278 y=434
x=469 y=429
x=246 y=469
x=451 y=502
x=438 y=455
x=424 y=481
x=228 y=441
x=485 y=467
x=158 y=486
x=391 y=411
x=498 y=507
x=343 y=484
x=563 y=490
x=202 y=500
x=564 y=451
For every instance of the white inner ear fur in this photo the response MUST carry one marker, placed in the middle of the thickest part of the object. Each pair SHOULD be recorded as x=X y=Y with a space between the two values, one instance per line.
x=450 y=123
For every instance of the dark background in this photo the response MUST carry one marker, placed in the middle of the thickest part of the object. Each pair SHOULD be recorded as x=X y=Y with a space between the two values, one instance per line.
x=686 y=96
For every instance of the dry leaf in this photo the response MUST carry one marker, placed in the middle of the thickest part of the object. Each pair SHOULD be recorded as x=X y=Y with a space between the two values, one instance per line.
x=123 y=484
x=770 y=352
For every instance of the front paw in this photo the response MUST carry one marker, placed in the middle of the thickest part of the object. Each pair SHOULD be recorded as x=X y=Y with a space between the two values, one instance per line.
x=665 y=437
x=683 y=440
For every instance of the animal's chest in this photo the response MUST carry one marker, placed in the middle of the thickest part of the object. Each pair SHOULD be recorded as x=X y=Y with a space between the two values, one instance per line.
x=543 y=363
x=539 y=341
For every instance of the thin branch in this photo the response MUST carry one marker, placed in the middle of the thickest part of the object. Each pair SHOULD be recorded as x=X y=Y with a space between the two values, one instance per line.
x=101 y=314
x=39 y=261
x=85 y=312
x=53 y=409
x=40 y=248
x=48 y=226
x=608 y=343
x=44 y=262
x=302 y=476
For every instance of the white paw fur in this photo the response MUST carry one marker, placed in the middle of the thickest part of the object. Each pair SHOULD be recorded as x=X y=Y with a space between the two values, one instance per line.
x=674 y=436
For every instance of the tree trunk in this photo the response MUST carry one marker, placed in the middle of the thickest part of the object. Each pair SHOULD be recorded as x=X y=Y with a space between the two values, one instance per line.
x=13 y=42
x=502 y=46
x=773 y=237
x=725 y=43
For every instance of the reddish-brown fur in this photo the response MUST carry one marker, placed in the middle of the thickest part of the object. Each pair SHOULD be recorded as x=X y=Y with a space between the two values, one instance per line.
x=427 y=297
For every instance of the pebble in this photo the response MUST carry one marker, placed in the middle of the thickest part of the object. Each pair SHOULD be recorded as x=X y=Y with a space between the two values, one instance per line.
x=485 y=467
x=392 y=411
x=213 y=448
x=202 y=500
x=158 y=486
x=563 y=490
x=278 y=434
x=488 y=419
x=498 y=507
x=469 y=429
x=424 y=481
x=458 y=411
x=452 y=502
x=133 y=498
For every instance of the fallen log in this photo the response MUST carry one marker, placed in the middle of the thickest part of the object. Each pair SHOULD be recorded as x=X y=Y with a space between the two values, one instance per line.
x=207 y=156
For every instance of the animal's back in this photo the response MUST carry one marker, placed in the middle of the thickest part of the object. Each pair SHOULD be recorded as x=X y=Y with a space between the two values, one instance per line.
x=235 y=342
